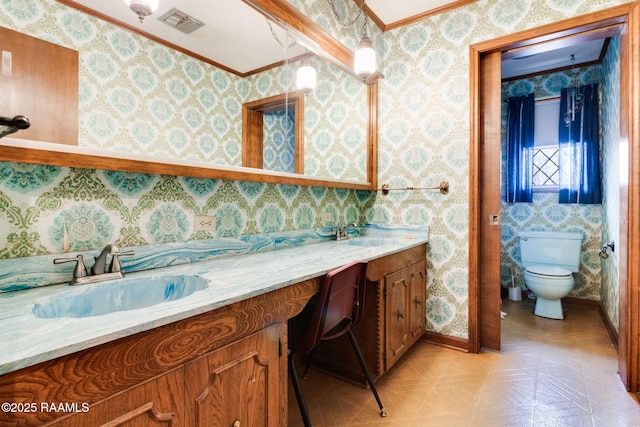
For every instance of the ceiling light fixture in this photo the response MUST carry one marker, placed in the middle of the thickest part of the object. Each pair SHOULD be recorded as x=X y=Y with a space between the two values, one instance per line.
x=365 y=61
x=142 y=8
x=306 y=77
x=574 y=97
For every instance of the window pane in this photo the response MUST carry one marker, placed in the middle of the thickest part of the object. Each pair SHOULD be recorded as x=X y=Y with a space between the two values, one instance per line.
x=545 y=167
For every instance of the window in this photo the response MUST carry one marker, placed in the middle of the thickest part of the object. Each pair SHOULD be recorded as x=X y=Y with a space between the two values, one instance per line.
x=545 y=148
x=545 y=169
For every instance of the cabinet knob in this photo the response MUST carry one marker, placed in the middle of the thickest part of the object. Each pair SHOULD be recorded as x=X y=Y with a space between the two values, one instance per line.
x=400 y=315
x=418 y=302
x=236 y=423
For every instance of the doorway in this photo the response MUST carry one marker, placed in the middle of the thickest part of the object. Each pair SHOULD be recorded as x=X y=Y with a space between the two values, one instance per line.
x=484 y=205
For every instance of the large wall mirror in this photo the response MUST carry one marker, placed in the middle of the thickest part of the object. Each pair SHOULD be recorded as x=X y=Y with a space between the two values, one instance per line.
x=157 y=104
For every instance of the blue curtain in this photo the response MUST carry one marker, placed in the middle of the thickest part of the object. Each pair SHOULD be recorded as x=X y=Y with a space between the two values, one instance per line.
x=579 y=154
x=520 y=125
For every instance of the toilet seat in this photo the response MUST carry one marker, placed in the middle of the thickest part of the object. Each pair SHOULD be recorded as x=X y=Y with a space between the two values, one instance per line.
x=546 y=271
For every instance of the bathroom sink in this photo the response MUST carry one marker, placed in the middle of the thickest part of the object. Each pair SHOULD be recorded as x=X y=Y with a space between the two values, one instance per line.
x=370 y=241
x=118 y=295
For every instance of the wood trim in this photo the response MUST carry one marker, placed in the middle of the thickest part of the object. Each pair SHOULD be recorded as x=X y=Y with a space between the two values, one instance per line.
x=629 y=268
x=298 y=149
x=446 y=341
x=286 y=61
x=560 y=42
x=370 y=14
x=252 y=138
x=580 y=302
x=253 y=129
x=557 y=30
x=410 y=20
x=611 y=330
x=316 y=38
x=56 y=158
x=489 y=192
x=147 y=408
x=474 y=197
x=372 y=134
x=629 y=333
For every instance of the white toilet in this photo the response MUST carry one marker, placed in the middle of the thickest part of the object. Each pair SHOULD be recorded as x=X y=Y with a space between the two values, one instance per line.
x=549 y=259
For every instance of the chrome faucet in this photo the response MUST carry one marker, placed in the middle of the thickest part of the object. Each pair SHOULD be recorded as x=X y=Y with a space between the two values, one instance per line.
x=99 y=271
x=343 y=233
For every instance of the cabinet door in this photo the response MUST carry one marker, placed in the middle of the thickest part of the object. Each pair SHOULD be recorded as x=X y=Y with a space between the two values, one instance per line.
x=417 y=297
x=155 y=403
x=239 y=384
x=396 y=324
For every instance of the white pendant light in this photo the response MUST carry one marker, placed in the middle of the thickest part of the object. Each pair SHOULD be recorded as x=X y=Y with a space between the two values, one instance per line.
x=306 y=77
x=142 y=8
x=365 y=59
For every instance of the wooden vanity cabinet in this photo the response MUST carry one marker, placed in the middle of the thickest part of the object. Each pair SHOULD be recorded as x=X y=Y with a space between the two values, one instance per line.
x=394 y=317
x=223 y=368
x=155 y=403
x=238 y=385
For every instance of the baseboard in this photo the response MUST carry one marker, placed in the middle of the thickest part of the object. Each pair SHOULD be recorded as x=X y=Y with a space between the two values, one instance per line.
x=446 y=341
x=613 y=334
x=580 y=302
x=611 y=330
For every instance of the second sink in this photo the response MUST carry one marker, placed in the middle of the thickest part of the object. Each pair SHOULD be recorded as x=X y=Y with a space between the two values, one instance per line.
x=370 y=241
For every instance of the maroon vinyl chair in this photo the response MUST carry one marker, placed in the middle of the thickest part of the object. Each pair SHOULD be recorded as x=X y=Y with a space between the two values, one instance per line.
x=329 y=314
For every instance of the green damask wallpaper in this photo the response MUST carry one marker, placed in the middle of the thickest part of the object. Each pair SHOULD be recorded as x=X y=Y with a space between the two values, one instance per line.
x=40 y=205
x=423 y=139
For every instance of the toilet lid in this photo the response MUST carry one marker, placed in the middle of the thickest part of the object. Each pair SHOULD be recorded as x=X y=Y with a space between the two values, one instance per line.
x=547 y=270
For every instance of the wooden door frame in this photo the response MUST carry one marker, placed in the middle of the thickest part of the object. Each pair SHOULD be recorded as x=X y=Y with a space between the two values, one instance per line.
x=629 y=281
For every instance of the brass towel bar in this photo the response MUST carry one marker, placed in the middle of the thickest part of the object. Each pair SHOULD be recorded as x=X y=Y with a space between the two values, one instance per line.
x=443 y=187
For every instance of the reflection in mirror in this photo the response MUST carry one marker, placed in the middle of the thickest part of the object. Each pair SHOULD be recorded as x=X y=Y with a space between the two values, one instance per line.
x=138 y=97
x=278 y=152
x=272 y=133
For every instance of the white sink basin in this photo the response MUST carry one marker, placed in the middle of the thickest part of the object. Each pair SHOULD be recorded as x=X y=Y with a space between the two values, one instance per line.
x=370 y=241
x=118 y=295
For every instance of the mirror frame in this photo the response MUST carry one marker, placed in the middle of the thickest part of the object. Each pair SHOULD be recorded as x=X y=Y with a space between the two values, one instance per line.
x=316 y=39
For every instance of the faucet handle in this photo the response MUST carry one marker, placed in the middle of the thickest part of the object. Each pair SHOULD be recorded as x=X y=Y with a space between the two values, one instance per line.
x=115 y=266
x=79 y=271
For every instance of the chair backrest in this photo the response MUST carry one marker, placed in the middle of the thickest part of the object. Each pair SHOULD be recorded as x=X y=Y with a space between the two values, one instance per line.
x=339 y=304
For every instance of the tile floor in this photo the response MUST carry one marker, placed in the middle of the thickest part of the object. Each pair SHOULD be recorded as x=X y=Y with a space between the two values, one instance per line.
x=549 y=373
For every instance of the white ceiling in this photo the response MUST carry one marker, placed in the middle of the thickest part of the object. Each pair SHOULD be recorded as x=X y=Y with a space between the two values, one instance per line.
x=237 y=37
x=390 y=11
x=234 y=34
x=552 y=59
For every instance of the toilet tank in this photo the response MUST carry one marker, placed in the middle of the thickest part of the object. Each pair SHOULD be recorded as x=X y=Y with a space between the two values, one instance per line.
x=561 y=249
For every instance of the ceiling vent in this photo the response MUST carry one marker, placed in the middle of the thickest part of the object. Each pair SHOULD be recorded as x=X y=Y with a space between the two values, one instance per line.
x=181 y=21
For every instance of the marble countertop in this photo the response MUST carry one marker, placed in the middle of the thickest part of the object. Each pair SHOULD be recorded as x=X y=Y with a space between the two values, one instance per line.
x=28 y=340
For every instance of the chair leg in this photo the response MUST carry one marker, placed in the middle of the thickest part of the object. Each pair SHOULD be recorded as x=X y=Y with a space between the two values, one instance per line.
x=298 y=390
x=363 y=365
x=308 y=362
